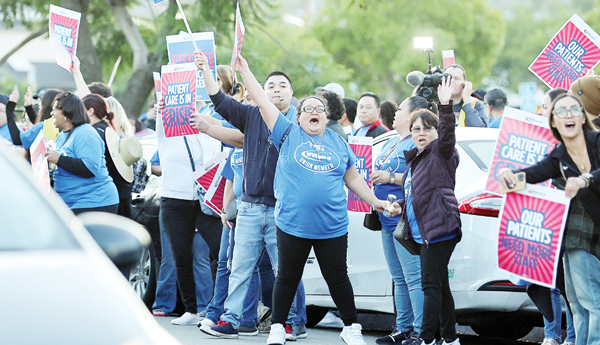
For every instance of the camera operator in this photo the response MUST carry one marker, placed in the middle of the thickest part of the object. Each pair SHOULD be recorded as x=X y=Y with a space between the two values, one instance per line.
x=468 y=110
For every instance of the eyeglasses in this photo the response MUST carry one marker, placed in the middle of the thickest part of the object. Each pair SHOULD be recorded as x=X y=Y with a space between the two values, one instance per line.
x=561 y=113
x=309 y=109
x=426 y=129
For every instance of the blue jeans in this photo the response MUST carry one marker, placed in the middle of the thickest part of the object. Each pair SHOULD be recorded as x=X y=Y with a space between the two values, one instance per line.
x=166 y=286
x=216 y=306
x=406 y=273
x=582 y=280
x=256 y=230
x=553 y=330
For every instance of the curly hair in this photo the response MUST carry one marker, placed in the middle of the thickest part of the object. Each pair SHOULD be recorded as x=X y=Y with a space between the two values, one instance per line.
x=335 y=105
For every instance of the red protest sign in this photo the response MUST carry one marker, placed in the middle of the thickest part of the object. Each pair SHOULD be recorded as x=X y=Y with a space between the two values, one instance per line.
x=64 y=30
x=572 y=51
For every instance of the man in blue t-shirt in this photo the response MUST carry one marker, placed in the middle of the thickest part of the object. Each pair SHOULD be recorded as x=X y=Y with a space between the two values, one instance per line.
x=495 y=101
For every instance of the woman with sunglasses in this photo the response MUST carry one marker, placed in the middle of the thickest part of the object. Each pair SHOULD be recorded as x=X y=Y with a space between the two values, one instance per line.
x=315 y=216
x=574 y=165
x=81 y=177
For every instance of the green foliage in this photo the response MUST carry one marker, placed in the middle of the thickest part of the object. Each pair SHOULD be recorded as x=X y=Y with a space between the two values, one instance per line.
x=374 y=39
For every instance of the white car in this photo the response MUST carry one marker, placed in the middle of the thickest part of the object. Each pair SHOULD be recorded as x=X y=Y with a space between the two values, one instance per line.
x=483 y=296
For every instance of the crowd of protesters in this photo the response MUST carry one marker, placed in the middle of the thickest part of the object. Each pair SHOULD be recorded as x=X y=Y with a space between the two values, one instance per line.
x=240 y=272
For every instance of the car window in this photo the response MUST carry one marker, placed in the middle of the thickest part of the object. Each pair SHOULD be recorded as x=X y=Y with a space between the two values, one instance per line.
x=480 y=151
x=27 y=221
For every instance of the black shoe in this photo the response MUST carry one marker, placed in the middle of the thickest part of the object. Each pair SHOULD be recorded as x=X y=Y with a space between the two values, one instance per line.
x=395 y=337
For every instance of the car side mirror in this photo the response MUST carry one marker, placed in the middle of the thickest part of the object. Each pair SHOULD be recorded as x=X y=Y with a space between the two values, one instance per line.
x=121 y=239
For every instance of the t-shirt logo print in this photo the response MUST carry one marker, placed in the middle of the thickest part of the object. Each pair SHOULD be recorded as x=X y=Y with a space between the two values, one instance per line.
x=321 y=160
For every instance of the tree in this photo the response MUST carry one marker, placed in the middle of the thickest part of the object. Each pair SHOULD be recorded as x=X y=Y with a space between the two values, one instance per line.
x=374 y=39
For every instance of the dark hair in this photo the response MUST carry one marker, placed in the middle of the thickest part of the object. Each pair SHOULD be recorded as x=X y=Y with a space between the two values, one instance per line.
x=388 y=112
x=427 y=117
x=228 y=79
x=457 y=66
x=276 y=73
x=319 y=97
x=46 y=107
x=98 y=103
x=588 y=125
x=418 y=102
x=555 y=93
x=373 y=95
x=72 y=108
x=350 y=105
x=335 y=105
x=100 y=89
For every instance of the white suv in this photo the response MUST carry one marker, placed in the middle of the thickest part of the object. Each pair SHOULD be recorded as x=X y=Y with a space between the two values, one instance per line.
x=483 y=295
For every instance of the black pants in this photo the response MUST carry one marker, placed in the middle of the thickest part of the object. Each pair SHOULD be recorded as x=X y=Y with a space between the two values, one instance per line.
x=331 y=254
x=108 y=209
x=180 y=218
x=438 y=306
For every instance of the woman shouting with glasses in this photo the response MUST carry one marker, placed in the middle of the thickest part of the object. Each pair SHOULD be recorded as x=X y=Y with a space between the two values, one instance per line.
x=431 y=212
x=574 y=165
x=313 y=165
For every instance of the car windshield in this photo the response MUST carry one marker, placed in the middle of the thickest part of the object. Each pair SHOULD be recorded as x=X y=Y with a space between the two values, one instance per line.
x=480 y=151
x=27 y=222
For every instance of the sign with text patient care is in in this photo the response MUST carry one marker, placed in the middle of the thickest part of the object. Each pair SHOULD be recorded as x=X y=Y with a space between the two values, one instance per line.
x=178 y=84
x=181 y=50
x=567 y=57
x=531 y=231
x=524 y=140
x=363 y=150
x=64 y=30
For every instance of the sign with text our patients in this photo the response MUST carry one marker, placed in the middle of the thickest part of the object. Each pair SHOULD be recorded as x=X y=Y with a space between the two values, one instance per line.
x=524 y=140
x=64 y=30
x=181 y=50
x=363 y=150
x=531 y=231
x=570 y=53
x=178 y=89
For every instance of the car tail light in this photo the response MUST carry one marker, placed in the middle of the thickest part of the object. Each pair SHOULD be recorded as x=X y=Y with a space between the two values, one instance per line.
x=487 y=205
x=502 y=285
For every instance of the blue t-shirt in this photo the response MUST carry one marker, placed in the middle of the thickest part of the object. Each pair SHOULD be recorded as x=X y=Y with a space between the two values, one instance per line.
x=362 y=131
x=410 y=211
x=84 y=192
x=495 y=123
x=28 y=136
x=209 y=110
x=233 y=171
x=394 y=163
x=155 y=160
x=5 y=133
x=309 y=181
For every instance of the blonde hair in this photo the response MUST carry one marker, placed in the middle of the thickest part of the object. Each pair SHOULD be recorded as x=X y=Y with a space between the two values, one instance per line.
x=120 y=122
x=228 y=79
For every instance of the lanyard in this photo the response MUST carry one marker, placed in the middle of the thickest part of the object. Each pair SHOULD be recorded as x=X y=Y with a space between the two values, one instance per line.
x=398 y=142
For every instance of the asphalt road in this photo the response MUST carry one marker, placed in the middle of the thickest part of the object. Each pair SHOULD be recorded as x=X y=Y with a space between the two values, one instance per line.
x=327 y=334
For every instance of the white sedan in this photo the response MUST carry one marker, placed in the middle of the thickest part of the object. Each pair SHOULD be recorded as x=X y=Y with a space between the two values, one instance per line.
x=483 y=295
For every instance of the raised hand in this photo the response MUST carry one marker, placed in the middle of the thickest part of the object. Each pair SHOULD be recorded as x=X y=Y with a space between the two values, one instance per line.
x=467 y=91
x=28 y=97
x=199 y=123
x=201 y=60
x=14 y=96
x=445 y=90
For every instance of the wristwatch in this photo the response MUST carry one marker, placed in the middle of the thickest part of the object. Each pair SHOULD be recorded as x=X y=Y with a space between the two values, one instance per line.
x=392 y=177
x=588 y=178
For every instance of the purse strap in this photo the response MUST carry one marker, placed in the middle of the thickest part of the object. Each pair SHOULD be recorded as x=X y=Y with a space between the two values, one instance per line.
x=392 y=149
x=187 y=146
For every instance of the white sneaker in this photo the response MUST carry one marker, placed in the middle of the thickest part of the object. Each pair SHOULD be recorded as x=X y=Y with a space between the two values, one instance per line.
x=352 y=335
x=455 y=342
x=206 y=323
x=277 y=335
x=549 y=341
x=187 y=319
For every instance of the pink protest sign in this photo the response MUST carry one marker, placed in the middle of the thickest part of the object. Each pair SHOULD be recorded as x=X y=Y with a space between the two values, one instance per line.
x=239 y=37
x=524 y=140
x=39 y=164
x=570 y=53
x=178 y=89
x=209 y=178
x=531 y=231
x=363 y=150
x=64 y=30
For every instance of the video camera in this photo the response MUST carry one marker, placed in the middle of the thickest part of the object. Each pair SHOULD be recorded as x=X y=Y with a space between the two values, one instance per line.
x=428 y=82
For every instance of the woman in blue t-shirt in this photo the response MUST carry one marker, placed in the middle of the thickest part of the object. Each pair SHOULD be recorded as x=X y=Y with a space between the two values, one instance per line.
x=313 y=165
x=404 y=267
x=81 y=177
